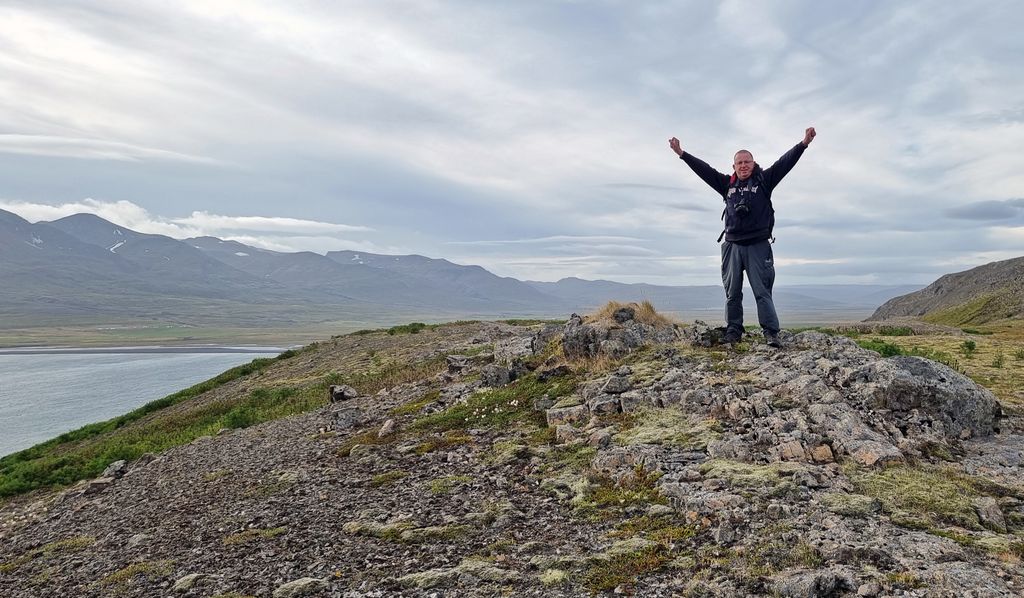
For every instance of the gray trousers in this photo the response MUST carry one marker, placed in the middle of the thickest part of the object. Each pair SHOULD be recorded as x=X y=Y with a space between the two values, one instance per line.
x=759 y=264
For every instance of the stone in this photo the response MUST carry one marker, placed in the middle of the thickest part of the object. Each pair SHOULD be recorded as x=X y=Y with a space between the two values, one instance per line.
x=457 y=363
x=565 y=433
x=792 y=451
x=494 y=375
x=822 y=454
x=387 y=428
x=555 y=372
x=97 y=485
x=512 y=351
x=346 y=418
x=725 y=534
x=989 y=513
x=632 y=400
x=341 y=392
x=186 y=583
x=137 y=540
x=813 y=584
x=600 y=439
x=116 y=469
x=603 y=404
x=869 y=590
x=307 y=586
x=616 y=385
x=567 y=415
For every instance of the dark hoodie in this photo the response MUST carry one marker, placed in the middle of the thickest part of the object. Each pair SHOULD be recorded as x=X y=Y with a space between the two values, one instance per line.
x=749 y=216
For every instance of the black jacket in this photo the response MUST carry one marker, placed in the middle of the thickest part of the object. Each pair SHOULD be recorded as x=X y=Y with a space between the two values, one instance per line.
x=749 y=215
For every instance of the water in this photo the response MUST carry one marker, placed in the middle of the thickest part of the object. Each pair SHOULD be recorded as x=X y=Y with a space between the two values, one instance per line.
x=46 y=394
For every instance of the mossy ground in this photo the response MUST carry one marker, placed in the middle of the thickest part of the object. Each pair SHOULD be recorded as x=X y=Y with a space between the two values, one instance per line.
x=668 y=427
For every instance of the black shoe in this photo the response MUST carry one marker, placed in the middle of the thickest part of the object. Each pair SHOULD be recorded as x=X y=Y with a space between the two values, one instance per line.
x=732 y=337
x=773 y=340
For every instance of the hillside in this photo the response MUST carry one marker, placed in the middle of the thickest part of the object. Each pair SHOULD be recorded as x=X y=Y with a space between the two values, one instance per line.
x=981 y=295
x=627 y=454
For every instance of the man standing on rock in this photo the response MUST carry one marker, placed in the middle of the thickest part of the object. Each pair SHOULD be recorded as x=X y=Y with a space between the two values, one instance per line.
x=749 y=219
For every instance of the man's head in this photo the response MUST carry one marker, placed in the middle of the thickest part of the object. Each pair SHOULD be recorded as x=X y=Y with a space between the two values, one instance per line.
x=743 y=164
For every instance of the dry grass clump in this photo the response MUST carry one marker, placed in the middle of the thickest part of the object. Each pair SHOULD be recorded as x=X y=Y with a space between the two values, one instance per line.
x=645 y=313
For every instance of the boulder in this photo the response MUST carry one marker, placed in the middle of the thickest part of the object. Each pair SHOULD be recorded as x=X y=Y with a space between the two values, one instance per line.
x=307 y=586
x=341 y=392
x=494 y=375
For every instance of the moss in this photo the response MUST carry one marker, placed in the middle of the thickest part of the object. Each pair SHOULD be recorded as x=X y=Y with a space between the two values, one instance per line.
x=252 y=535
x=439 y=533
x=603 y=492
x=440 y=442
x=148 y=569
x=624 y=569
x=387 y=478
x=922 y=497
x=774 y=479
x=668 y=427
x=567 y=458
x=664 y=530
x=553 y=577
x=448 y=483
x=505 y=407
x=850 y=505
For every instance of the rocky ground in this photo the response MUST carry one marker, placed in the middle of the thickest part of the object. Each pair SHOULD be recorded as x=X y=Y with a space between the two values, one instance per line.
x=618 y=455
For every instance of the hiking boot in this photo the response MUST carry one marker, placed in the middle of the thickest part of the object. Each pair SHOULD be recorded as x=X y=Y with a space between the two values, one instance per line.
x=773 y=340
x=731 y=337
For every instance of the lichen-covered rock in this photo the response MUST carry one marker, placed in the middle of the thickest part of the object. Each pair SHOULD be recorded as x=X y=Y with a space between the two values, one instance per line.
x=307 y=586
x=494 y=375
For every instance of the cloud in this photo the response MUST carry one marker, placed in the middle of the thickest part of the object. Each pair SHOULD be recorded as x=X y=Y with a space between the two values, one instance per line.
x=988 y=210
x=546 y=240
x=207 y=221
x=92 y=149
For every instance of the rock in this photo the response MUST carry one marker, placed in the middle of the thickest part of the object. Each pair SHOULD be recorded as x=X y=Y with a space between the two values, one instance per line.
x=822 y=454
x=616 y=385
x=555 y=372
x=567 y=415
x=387 y=428
x=188 y=582
x=512 y=351
x=346 y=418
x=624 y=314
x=98 y=485
x=989 y=514
x=632 y=400
x=869 y=590
x=443 y=577
x=659 y=511
x=565 y=433
x=604 y=404
x=494 y=375
x=792 y=451
x=137 y=540
x=307 y=586
x=600 y=439
x=813 y=584
x=457 y=364
x=725 y=534
x=341 y=392
x=116 y=469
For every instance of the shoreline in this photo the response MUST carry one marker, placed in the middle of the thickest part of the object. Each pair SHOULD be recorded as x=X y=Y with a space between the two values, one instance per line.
x=143 y=349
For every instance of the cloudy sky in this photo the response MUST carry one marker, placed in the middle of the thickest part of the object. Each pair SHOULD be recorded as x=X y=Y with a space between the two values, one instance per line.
x=528 y=137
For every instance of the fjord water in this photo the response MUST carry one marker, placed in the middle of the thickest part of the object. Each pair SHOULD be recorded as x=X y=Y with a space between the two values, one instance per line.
x=45 y=395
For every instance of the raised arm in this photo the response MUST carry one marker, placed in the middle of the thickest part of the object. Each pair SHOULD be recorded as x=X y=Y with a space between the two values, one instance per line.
x=716 y=180
x=775 y=173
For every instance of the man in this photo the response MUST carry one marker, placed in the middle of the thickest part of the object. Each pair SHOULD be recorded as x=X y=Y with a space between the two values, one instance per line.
x=749 y=220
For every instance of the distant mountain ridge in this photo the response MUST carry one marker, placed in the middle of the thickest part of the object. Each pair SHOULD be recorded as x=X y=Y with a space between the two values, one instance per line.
x=82 y=268
x=988 y=293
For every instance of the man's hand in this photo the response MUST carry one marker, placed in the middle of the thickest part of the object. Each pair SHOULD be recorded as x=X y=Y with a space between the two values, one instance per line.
x=809 y=136
x=674 y=144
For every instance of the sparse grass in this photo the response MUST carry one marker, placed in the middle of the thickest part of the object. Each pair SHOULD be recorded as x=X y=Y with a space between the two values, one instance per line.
x=999 y=361
x=149 y=569
x=440 y=442
x=253 y=535
x=980 y=310
x=665 y=530
x=905 y=580
x=669 y=427
x=604 y=493
x=926 y=497
x=414 y=407
x=504 y=407
x=370 y=437
x=645 y=313
x=388 y=478
x=447 y=484
x=774 y=479
x=625 y=569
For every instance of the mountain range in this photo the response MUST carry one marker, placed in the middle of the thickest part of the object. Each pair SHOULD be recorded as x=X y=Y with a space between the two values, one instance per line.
x=83 y=269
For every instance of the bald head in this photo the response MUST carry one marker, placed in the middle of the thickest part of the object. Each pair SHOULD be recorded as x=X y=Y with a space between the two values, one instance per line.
x=743 y=164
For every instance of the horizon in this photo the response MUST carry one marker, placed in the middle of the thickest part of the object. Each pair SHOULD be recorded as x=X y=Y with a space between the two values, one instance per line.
x=530 y=139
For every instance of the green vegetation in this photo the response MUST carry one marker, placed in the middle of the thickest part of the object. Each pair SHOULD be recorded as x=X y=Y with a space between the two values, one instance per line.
x=980 y=310
x=895 y=331
x=387 y=478
x=669 y=427
x=774 y=479
x=448 y=483
x=927 y=497
x=905 y=580
x=415 y=407
x=968 y=348
x=499 y=407
x=665 y=530
x=886 y=349
x=881 y=347
x=412 y=328
x=1019 y=354
x=252 y=535
x=999 y=361
x=145 y=568
x=626 y=568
